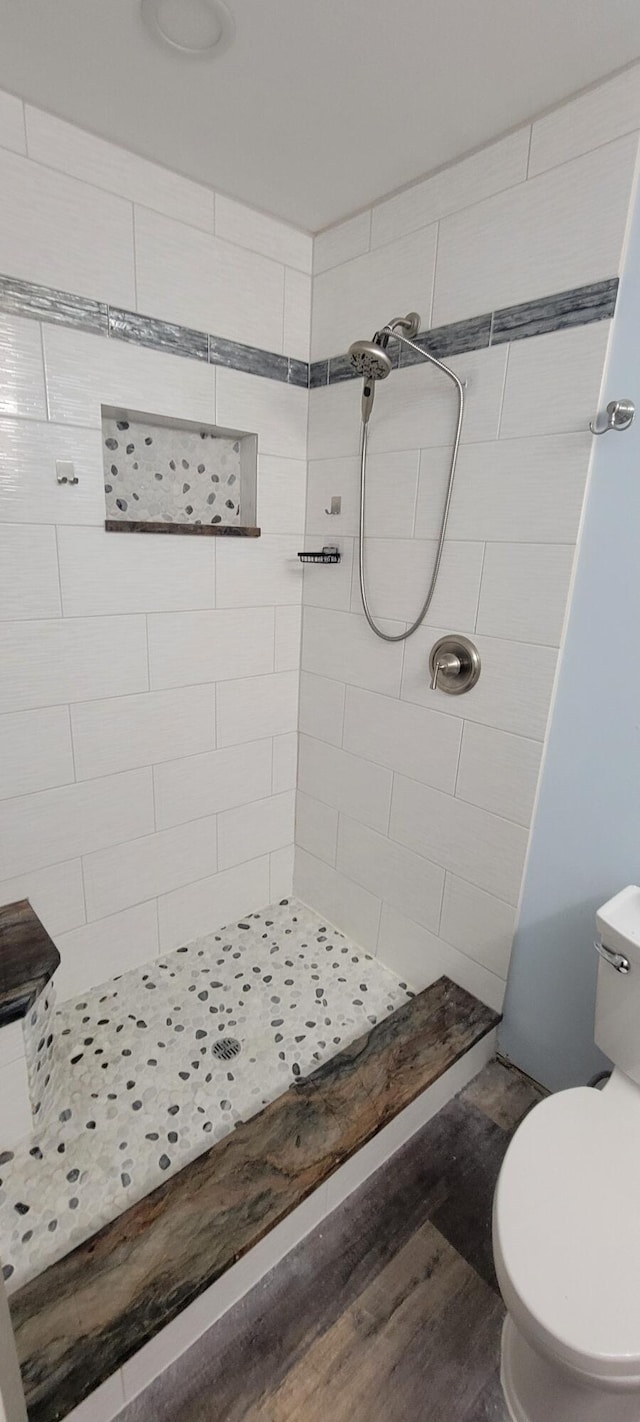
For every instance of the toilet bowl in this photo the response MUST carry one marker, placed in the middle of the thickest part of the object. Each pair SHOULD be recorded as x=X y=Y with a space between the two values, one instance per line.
x=566 y=1220
x=566 y=1232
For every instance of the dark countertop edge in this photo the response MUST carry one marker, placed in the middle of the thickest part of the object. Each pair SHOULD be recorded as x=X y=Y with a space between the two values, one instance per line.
x=84 y=1379
x=203 y=530
x=34 y=963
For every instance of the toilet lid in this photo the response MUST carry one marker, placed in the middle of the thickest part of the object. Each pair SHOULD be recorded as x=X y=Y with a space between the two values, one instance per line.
x=567 y=1227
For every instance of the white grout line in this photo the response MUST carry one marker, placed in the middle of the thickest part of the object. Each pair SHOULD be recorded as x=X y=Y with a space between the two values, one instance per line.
x=528 y=165
x=135 y=264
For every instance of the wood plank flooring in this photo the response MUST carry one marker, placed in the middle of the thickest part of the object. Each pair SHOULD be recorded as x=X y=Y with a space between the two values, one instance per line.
x=389 y=1311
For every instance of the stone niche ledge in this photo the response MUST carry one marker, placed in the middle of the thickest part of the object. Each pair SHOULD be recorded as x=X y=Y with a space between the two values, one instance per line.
x=199 y=530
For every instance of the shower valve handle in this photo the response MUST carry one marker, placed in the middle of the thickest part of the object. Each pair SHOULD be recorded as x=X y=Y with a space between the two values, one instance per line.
x=447 y=663
x=454 y=665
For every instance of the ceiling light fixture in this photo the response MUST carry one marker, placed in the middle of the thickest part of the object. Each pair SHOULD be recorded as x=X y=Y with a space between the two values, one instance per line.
x=194 y=27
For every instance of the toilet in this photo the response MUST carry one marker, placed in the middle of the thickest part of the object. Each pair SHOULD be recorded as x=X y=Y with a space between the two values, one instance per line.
x=566 y=1219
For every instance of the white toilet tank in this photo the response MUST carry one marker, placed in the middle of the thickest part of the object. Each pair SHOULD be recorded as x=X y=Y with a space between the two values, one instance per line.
x=617 y=1025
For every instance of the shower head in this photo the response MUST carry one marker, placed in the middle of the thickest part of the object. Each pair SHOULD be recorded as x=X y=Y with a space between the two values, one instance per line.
x=370 y=360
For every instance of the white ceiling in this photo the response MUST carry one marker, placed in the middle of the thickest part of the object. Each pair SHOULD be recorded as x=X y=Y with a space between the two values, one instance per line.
x=319 y=106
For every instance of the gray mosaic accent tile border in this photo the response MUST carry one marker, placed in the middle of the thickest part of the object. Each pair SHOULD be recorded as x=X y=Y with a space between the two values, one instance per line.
x=248 y=358
x=258 y=362
x=318 y=374
x=575 y=307
x=158 y=335
x=299 y=373
x=46 y=303
x=443 y=341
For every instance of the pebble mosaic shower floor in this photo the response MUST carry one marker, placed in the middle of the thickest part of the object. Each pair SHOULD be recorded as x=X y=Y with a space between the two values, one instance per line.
x=158 y=1064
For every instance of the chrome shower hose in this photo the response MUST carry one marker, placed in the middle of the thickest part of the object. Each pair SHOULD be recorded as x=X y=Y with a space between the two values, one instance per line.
x=402 y=636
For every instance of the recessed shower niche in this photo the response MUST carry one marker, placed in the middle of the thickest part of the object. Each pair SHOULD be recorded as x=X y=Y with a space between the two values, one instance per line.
x=165 y=475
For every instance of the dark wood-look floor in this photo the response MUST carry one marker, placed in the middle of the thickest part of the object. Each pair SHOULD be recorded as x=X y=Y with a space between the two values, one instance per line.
x=389 y=1312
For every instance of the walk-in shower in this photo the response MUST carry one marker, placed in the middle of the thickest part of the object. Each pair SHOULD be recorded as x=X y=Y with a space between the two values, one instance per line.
x=372 y=361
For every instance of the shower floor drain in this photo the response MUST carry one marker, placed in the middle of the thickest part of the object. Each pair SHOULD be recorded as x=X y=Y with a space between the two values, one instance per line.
x=226 y=1048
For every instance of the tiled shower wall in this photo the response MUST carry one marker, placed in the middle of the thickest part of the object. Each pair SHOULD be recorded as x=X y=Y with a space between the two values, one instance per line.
x=414 y=808
x=149 y=685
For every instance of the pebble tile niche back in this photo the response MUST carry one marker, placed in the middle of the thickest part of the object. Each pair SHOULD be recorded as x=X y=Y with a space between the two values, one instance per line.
x=173 y=476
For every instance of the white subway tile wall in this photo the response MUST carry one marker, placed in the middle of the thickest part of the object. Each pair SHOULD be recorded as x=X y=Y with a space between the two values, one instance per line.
x=297 y=314
x=12 y=130
x=259 y=233
x=213 y=286
x=554 y=376
x=29 y=583
x=29 y=449
x=35 y=751
x=352 y=300
x=414 y=807
x=281 y=863
x=149 y=688
x=499 y=166
x=562 y=229
x=282 y=488
x=201 y=785
x=129 y=731
x=22 y=389
x=339 y=244
x=69 y=149
x=84 y=371
x=285 y=762
x=61 y=232
x=597 y=117
x=316 y=827
x=188 y=913
x=139 y=806
x=56 y=893
x=122 y=875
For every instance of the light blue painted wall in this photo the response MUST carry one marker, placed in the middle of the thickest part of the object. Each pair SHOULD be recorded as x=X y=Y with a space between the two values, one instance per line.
x=585 y=842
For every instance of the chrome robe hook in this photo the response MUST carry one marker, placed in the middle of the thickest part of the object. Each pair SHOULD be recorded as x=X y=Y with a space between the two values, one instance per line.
x=620 y=415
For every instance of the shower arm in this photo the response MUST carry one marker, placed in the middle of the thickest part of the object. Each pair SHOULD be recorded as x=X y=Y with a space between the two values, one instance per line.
x=446 y=370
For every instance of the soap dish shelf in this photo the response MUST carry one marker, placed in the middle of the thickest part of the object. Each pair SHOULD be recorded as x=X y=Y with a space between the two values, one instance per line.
x=328 y=554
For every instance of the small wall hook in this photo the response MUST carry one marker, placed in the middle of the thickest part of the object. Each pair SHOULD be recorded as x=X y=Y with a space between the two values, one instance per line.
x=620 y=415
x=65 y=472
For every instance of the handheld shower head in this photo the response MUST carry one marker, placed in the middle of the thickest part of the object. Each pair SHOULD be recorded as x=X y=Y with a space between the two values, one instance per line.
x=371 y=362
